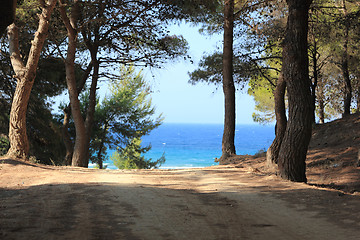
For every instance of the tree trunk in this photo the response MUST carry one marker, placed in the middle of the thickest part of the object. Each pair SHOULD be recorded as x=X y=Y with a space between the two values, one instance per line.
x=89 y=122
x=228 y=145
x=67 y=114
x=292 y=154
x=25 y=75
x=99 y=159
x=281 y=122
x=321 y=111
x=358 y=99
x=93 y=47
x=66 y=137
x=348 y=87
x=80 y=140
x=345 y=66
x=79 y=154
x=321 y=101
x=315 y=83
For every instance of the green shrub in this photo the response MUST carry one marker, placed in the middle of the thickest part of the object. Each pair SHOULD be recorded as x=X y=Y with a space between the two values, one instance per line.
x=130 y=157
x=4 y=144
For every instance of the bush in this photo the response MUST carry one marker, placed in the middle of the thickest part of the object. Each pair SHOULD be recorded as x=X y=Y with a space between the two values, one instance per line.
x=130 y=157
x=260 y=153
x=4 y=144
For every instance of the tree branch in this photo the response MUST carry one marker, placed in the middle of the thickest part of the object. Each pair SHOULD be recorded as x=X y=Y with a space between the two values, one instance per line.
x=39 y=39
x=15 y=56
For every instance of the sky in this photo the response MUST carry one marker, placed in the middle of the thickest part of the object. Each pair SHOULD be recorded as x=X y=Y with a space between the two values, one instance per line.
x=181 y=102
x=178 y=100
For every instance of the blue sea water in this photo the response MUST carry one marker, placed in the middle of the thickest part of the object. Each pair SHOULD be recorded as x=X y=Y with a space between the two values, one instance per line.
x=197 y=145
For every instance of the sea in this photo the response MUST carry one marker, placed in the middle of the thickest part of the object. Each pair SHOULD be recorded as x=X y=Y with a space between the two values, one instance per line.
x=197 y=145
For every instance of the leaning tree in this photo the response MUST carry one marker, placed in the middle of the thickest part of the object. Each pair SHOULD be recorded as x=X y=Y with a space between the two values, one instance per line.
x=25 y=74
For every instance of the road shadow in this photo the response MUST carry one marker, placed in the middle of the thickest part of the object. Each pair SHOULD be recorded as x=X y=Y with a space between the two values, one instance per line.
x=115 y=211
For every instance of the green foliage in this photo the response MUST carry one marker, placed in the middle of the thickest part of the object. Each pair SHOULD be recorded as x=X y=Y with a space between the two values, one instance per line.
x=210 y=70
x=327 y=28
x=131 y=32
x=333 y=37
x=195 y=11
x=125 y=114
x=264 y=104
x=4 y=145
x=262 y=86
x=131 y=157
x=211 y=66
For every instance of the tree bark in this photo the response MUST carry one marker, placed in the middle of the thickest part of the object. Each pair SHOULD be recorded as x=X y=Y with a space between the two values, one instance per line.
x=292 y=154
x=25 y=75
x=66 y=137
x=321 y=101
x=321 y=111
x=89 y=122
x=358 y=99
x=345 y=66
x=346 y=76
x=79 y=154
x=99 y=159
x=228 y=145
x=93 y=47
x=316 y=77
x=67 y=114
x=281 y=122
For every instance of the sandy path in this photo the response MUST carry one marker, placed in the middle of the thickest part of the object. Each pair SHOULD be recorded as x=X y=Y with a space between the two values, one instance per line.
x=38 y=202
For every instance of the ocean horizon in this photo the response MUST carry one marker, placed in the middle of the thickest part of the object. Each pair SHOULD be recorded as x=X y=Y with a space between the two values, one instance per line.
x=188 y=145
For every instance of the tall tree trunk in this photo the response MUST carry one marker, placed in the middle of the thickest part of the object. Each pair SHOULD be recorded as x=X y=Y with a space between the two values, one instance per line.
x=80 y=131
x=228 y=145
x=99 y=159
x=358 y=99
x=281 y=122
x=66 y=137
x=315 y=83
x=67 y=114
x=25 y=75
x=93 y=47
x=348 y=87
x=321 y=101
x=89 y=122
x=102 y=148
x=7 y=14
x=321 y=111
x=292 y=154
x=79 y=154
x=345 y=66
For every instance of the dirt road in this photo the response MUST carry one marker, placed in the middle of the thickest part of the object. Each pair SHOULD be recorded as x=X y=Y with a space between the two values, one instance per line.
x=41 y=202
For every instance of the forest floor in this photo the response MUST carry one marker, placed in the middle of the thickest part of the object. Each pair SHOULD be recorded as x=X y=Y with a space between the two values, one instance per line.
x=242 y=200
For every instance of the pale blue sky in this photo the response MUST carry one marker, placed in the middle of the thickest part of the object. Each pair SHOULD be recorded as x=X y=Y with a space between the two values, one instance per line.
x=181 y=102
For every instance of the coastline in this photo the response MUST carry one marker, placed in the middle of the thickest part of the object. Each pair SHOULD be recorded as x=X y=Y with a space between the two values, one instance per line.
x=198 y=145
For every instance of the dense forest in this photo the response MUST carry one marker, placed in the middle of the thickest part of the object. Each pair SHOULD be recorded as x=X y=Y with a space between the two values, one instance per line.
x=299 y=59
